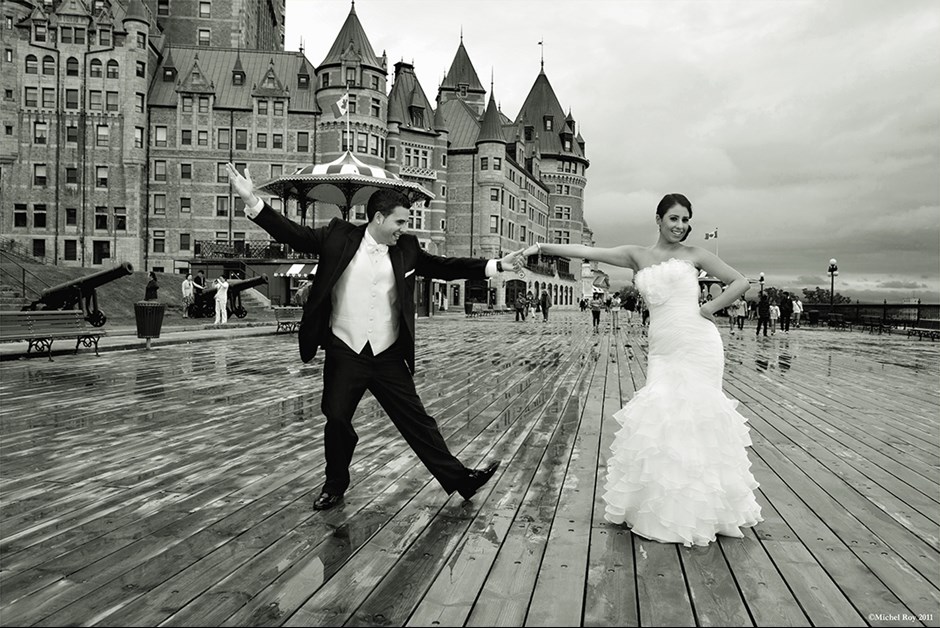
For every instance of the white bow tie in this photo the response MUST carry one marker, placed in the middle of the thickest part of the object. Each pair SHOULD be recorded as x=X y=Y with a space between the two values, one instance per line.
x=377 y=248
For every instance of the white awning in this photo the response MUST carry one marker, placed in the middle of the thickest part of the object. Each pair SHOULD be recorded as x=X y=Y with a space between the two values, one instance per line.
x=295 y=270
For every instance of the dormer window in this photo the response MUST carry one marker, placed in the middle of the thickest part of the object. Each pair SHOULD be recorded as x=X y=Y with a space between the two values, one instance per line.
x=549 y=122
x=462 y=89
x=567 y=145
x=303 y=81
x=238 y=77
x=169 y=74
x=529 y=132
x=104 y=37
x=351 y=76
x=39 y=32
x=417 y=116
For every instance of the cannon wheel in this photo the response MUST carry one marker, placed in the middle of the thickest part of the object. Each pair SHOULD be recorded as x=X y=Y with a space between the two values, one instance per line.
x=240 y=311
x=97 y=318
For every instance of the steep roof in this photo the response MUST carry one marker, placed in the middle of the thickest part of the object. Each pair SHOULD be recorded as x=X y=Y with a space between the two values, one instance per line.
x=463 y=125
x=137 y=11
x=542 y=102
x=462 y=72
x=491 y=130
x=215 y=65
x=71 y=7
x=352 y=37
x=407 y=92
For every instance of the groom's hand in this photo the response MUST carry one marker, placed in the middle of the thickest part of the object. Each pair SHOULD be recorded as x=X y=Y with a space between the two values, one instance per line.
x=243 y=185
x=512 y=262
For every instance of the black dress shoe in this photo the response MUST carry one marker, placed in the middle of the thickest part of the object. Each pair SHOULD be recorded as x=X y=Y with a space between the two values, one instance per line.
x=326 y=501
x=477 y=478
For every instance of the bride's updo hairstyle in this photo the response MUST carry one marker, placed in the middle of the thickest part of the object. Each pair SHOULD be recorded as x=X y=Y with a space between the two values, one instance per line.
x=671 y=200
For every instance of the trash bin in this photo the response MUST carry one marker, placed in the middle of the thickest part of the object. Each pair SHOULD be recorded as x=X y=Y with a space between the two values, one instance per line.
x=149 y=315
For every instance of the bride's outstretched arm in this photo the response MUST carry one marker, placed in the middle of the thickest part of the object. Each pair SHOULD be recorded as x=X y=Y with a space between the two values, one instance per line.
x=616 y=256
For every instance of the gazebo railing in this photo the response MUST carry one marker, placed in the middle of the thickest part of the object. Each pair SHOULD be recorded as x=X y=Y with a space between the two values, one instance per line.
x=245 y=249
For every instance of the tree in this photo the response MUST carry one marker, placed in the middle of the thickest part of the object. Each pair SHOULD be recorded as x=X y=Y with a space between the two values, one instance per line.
x=821 y=296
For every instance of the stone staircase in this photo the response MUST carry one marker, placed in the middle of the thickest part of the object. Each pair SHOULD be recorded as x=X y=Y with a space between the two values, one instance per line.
x=11 y=298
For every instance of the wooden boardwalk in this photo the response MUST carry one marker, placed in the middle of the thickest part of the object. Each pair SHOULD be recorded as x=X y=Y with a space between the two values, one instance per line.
x=175 y=488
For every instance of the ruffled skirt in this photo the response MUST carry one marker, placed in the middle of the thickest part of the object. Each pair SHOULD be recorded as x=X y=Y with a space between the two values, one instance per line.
x=678 y=470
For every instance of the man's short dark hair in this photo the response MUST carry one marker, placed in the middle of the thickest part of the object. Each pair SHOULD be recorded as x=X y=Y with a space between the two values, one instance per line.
x=385 y=201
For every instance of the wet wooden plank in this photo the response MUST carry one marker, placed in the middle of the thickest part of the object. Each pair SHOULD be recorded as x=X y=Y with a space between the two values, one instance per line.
x=565 y=560
x=610 y=594
x=713 y=588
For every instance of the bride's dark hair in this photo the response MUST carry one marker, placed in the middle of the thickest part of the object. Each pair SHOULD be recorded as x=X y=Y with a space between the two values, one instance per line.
x=671 y=200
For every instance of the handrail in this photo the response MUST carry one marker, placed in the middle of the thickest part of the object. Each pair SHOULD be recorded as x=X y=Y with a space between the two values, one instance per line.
x=5 y=272
x=18 y=249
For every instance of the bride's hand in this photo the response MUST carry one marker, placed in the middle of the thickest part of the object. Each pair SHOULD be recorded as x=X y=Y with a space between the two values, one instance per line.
x=706 y=312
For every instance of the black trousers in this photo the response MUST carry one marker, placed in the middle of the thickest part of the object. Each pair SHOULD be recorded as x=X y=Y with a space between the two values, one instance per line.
x=762 y=322
x=785 y=321
x=346 y=377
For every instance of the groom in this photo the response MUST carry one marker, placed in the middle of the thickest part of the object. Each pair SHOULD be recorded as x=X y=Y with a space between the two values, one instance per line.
x=360 y=309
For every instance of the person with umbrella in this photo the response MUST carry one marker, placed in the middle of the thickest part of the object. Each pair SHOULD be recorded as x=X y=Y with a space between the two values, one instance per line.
x=361 y=310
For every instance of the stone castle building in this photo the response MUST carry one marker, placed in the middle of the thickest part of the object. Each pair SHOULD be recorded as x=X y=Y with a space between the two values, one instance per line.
x=118 y=117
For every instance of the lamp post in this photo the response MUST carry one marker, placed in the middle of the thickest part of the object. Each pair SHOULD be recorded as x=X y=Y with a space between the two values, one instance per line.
x=761 y=281
x=833 y=271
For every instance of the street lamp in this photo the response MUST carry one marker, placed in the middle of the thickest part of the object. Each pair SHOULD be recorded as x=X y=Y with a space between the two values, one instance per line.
x=761 y=281
x=833 y=271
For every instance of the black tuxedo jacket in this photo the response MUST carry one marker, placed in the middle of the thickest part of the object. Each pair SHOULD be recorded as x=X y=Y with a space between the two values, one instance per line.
x=336 y=244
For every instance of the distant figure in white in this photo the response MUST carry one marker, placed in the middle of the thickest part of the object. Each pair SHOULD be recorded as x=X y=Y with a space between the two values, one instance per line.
x=221 y=301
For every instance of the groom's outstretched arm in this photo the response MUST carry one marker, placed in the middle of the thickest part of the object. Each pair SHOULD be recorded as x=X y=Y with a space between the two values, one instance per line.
x=448 y=268
x=281 y=228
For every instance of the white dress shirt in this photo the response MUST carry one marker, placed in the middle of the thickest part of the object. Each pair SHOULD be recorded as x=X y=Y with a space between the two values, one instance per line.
x=365 y=300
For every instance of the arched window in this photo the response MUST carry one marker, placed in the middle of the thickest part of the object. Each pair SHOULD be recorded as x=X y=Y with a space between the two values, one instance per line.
x=112 y=69
x=48 y=65
x=95 y=68
x=32 y=64
x=71 y=67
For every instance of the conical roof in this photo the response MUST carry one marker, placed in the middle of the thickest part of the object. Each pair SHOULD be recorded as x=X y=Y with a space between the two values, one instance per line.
x=540 y=103
x=352 y=35
x=492 y=128
x=137 y=11
x=462 y=72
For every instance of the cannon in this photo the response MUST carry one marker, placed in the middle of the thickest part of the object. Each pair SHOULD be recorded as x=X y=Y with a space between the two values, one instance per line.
x=80 y=294
x=204 y=304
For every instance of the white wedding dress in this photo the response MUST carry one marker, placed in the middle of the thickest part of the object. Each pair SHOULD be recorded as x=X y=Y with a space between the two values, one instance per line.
x=679 y=471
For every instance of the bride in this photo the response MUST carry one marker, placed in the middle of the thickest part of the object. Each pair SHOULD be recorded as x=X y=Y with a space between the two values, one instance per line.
x=678 y=470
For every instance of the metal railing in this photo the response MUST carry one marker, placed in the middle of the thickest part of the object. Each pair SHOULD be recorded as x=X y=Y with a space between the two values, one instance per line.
x=902 y=315
x=21 y=251
x=247 y=249
x=14 y=275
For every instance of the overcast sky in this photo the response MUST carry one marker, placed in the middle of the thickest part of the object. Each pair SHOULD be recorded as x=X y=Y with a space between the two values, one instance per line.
x=802 y=130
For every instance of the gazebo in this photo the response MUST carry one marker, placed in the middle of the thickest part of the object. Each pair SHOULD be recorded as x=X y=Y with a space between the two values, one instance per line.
x=344 y=182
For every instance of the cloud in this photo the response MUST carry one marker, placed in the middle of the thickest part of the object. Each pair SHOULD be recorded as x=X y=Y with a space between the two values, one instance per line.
x=903 y=285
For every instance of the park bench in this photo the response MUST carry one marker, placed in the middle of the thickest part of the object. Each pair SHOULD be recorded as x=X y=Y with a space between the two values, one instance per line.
x=42 y=327
x=838 y=321
x=288 y=318
x=927 y=328
x=873 y=324
x=484 y=309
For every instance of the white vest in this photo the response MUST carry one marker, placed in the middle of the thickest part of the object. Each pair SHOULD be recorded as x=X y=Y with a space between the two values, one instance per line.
x=365 y=301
